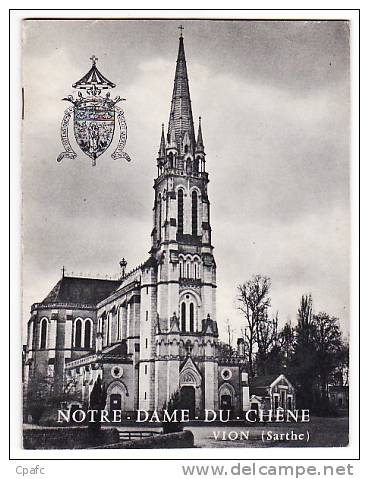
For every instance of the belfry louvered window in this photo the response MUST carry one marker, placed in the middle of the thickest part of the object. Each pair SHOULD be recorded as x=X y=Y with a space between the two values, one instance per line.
x=194 y=213
x=180 y=211
x=191 y=317
x=183 y=317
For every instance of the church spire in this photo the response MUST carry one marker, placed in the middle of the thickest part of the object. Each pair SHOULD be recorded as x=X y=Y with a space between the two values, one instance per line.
x=162 y=143
x=199 y=142
x=180 y=118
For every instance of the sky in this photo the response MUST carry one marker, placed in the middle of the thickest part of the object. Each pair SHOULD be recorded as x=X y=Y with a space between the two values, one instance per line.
x=274 y=97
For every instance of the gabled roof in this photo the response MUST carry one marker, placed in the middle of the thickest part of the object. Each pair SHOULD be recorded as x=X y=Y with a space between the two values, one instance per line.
x=81 y=290
x=260 y=385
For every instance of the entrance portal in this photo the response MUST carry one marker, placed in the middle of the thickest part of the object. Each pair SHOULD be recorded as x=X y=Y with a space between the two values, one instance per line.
x=188 y=399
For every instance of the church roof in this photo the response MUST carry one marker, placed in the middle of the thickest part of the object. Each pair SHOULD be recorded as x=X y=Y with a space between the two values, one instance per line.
x=180 y=118
x=81 y=290
x=116 y=350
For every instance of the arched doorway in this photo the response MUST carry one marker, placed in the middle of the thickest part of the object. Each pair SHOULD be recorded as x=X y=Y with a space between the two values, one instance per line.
x=190 y=388
x=117 y=395
x=227 y=398
x=188 y=400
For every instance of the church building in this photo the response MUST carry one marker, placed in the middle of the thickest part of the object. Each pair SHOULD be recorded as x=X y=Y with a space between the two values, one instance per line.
x=154 y=331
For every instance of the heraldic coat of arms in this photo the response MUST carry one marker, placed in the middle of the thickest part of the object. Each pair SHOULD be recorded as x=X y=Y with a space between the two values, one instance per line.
x=94 y=118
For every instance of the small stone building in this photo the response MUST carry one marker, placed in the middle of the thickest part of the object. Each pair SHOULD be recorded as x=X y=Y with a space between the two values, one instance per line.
x=271 y=393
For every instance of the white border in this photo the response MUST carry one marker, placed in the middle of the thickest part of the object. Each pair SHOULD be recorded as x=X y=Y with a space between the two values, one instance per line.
x=240 y=453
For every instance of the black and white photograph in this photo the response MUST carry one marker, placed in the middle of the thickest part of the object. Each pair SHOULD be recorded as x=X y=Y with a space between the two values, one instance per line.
x=186 y=233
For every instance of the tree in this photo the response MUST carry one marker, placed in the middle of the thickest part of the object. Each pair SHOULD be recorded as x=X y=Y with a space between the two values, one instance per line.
x=97 y=402
x=266 y=338
x=328 y=345
x=174 y=404
x=38 y=396
x=318 y=351
x=253 y=301
x=340 y=376
x=224 y=350
x=287 y=343
x=305 y=360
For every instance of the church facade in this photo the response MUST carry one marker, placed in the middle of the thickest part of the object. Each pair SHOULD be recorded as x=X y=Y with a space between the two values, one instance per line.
x=154 y=331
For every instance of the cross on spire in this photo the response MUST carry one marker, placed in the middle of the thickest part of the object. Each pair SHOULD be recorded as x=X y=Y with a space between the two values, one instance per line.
x=181 y=28
x=94 y=59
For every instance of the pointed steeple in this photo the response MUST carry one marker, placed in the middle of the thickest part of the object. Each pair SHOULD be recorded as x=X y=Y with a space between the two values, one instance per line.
x=199 y=143
x=162 y=143
x=180 y=118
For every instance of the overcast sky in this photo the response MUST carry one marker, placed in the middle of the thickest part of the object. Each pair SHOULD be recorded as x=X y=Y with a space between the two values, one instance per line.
x=274 y=100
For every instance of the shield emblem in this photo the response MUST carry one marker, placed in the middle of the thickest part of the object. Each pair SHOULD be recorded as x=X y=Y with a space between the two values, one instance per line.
x=94 y=118
x=94 y=121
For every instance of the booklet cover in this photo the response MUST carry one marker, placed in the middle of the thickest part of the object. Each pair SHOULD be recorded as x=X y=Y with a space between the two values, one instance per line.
x=186 y=244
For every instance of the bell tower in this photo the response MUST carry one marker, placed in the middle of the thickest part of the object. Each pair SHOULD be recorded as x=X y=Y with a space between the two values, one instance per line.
x=181 y=241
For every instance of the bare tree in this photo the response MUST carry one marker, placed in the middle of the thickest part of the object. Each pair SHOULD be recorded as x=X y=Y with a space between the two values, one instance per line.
x=266 y=338
x=253 y=301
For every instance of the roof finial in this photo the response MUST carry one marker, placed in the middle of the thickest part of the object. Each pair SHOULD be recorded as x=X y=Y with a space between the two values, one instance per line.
x=123 y=265
x=181 y=28
x=94 y=59
x=63 y=271
x=199 y=142
x=162 y=143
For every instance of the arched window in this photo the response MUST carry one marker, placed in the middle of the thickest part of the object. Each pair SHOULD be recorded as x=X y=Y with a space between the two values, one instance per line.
x=88 y=329
x=181 y=269
x=159 y=217
x=170 y=157
x=180 y=212
x=188 y=270
x=183 y=317
x=196 y=165
x=194 y=213
x=189 y=166
x=31 y=326
x=43 y=336
x=119 y=314
x=192 y=315
x=195 y=270
x=78 y=333
x=108 y=330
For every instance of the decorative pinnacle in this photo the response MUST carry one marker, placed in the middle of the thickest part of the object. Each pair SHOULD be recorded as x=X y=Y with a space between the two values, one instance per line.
x=94 y=59
x=162 y=143
x=181 y=28
x=123 y=265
